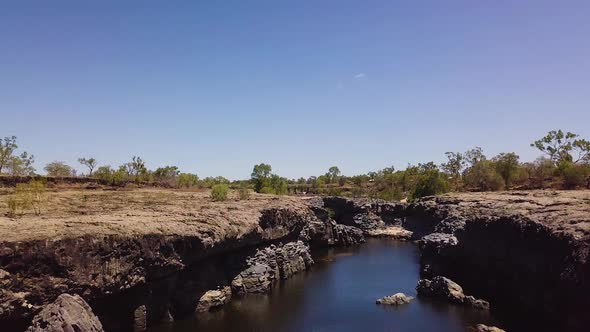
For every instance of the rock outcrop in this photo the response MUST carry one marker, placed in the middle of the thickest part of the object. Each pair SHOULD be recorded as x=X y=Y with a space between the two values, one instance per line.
x=485 y=328
x=448 y=290
x=69 y=313
x=270 y=264
x=506 y=247
x=214 y=298
x=395 y=299
x=146 y=256
x=143 y=257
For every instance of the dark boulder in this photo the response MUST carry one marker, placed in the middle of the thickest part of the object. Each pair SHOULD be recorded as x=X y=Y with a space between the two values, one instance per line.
x=69 y=313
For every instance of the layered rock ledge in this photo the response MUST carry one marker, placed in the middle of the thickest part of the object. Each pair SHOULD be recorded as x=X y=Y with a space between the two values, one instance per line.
x=527 y=252
x=148 y=256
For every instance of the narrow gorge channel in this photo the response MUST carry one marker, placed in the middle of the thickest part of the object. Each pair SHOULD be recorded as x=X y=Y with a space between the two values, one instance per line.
x=514 y=260
x=338 y=293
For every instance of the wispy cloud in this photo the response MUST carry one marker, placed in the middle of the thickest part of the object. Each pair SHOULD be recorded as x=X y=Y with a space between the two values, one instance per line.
x=360 y=76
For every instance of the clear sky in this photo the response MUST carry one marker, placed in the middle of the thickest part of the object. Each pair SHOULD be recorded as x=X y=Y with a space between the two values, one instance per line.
x=218 y=86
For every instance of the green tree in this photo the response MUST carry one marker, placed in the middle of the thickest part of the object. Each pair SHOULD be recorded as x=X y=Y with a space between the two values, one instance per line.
x=104 y=173
x=333 y=174
x=166 y=175
x=454 y=166
x=430 y=182
x=542 y=169
x=279 y=185
x=576 y=176
x=474 y=156
x=559 y=146
x=21 y=165
x=136 y=167
x=15 y=164
x=7 y=147
x=261 y=176
x=506 y=165
x=187 y=180
x=88 y=162
x=483 y=176
x=59 y=169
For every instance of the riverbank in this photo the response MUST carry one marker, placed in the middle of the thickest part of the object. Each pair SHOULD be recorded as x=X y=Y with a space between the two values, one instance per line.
x=146 y=256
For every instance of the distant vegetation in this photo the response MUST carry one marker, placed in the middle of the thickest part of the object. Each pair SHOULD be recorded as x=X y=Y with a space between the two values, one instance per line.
x=565 y=164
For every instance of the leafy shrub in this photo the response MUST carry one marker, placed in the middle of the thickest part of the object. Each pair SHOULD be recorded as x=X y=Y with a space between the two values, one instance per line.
x=575 y=176
x=266 y=190
x=432 y=182
x=59 y=169
x=219 y=192
x=244 y=192
x=484 y=177
x=187 y=180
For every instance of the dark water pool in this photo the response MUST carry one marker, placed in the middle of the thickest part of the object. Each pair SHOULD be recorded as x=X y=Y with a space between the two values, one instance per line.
x=339 y=294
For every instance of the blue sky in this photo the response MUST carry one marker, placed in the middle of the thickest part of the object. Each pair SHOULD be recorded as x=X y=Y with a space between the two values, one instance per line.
x=218 y=86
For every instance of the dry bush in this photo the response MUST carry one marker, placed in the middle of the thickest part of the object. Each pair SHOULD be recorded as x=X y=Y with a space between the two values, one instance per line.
x=27 y=196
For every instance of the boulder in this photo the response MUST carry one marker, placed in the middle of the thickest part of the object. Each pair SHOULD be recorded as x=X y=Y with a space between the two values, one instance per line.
x=214 y=298
x=476 y=303
x=442 y=288
x=69 y=313
x=448 y=290
x=255 y=279
x=485 y=328
x=368 y=221
x=395 y=299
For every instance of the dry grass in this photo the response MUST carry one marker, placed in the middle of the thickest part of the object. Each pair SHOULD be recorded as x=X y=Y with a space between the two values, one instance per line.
x=74 y=212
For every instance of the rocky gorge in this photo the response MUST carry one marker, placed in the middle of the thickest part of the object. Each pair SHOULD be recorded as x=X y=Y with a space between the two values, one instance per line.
x=137 y=268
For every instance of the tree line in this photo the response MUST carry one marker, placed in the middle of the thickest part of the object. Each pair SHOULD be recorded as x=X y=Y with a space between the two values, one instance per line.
x=565 y=164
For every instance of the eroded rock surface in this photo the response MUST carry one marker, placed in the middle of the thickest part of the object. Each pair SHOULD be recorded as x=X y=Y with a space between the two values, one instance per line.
x=69 y=313
x=269 y=264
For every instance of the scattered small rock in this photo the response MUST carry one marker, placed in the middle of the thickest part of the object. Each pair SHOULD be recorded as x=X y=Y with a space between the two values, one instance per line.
x=395 y=299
